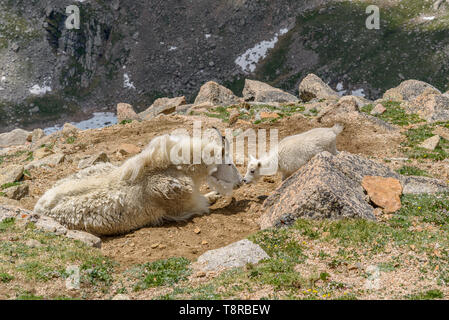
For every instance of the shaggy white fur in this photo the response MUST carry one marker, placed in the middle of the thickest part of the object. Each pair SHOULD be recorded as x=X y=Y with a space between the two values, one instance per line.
x=294 y=151
x=146 y=190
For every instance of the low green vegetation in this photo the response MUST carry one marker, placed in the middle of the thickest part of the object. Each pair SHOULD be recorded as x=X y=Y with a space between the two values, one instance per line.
x=162 y=273
x=394 y=114
x=415 y=136
x=427 y=295
x=412 y=171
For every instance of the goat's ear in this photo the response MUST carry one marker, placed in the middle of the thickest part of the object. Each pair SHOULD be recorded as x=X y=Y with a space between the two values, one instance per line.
x=259 y=164
x=252 y=158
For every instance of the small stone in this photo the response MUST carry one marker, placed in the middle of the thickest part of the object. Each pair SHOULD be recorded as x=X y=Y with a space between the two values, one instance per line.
x=200 y=274
x=269 y=115
x=17 y=192
x=154 y=246
x=431 y=143
x=84 y=237
x=93 y=160
x=204 y=242
x=378 y=110
x=126 y=148
x=48 y=224
x=197 y=230
x=32 y=243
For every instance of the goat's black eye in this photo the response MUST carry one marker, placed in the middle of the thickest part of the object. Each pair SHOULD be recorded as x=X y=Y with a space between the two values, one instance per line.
x=252 y=171
x=229 y=164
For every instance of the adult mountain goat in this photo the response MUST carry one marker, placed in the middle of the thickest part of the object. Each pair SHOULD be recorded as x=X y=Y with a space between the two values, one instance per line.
x=293 y=152
x=155 y=185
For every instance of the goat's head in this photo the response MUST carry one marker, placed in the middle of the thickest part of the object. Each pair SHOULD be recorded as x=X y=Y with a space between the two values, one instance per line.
x=227 y=171
x=253 y=171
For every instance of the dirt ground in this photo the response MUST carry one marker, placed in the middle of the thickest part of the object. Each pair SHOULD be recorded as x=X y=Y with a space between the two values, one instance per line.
x=229 y=220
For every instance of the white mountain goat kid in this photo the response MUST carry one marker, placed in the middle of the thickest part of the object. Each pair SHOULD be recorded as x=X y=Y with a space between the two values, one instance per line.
x=295 y=151
x=146 y=190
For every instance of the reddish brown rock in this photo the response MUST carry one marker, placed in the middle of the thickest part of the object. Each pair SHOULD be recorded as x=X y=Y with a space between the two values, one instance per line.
x=384 y=192
x=269 y=115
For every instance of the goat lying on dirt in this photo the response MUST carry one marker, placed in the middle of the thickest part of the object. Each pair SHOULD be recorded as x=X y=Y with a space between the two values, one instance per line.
x=146 y=190
x=295 y=151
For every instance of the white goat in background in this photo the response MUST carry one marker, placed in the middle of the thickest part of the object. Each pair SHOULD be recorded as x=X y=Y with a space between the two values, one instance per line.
x=295 y=151
x=146 y=190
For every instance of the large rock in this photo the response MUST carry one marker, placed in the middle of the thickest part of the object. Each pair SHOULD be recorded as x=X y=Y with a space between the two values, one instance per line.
x=409 y=90
x=126 y=112
x=11 y=174
x=17 y=137
x=312 y=87
x=262 y=92
x=163 y=106
x=430 y=106
x=330 y=186
x=384 y=192
x=235 y=255
x=216 y=94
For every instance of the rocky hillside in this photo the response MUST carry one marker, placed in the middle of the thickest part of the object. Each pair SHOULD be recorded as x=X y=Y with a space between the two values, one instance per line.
x=137 y=51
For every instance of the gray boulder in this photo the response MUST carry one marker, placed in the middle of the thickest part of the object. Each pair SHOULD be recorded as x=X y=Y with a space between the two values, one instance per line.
x=312 y=87
x=163 y=106
x=216 y=94
x=409 y=90
x=235 y=255
x=262 y=92
x=16 y=137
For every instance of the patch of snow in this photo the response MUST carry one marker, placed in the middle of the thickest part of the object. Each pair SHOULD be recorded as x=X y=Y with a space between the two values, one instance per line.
x=99 y=120
x=3 y=79
x=172 y=48
x=340 y=90
x=358 y=93
x=38 y=90
x=207 y=36
x=127 y=82
x=428 y=18
x=251 y=57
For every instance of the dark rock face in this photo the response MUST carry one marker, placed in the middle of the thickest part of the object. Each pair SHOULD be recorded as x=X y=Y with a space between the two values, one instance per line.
x=330 y=186
x=129 y=51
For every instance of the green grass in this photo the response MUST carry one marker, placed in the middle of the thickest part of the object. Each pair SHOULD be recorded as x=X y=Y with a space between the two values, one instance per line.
x=394 y=114
x=126 y=121
x=10 y=185
x=427 y=295
x=5 y=277
x=70 y=140
x=412 y=171
x=163 y=272
x=415 y=136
